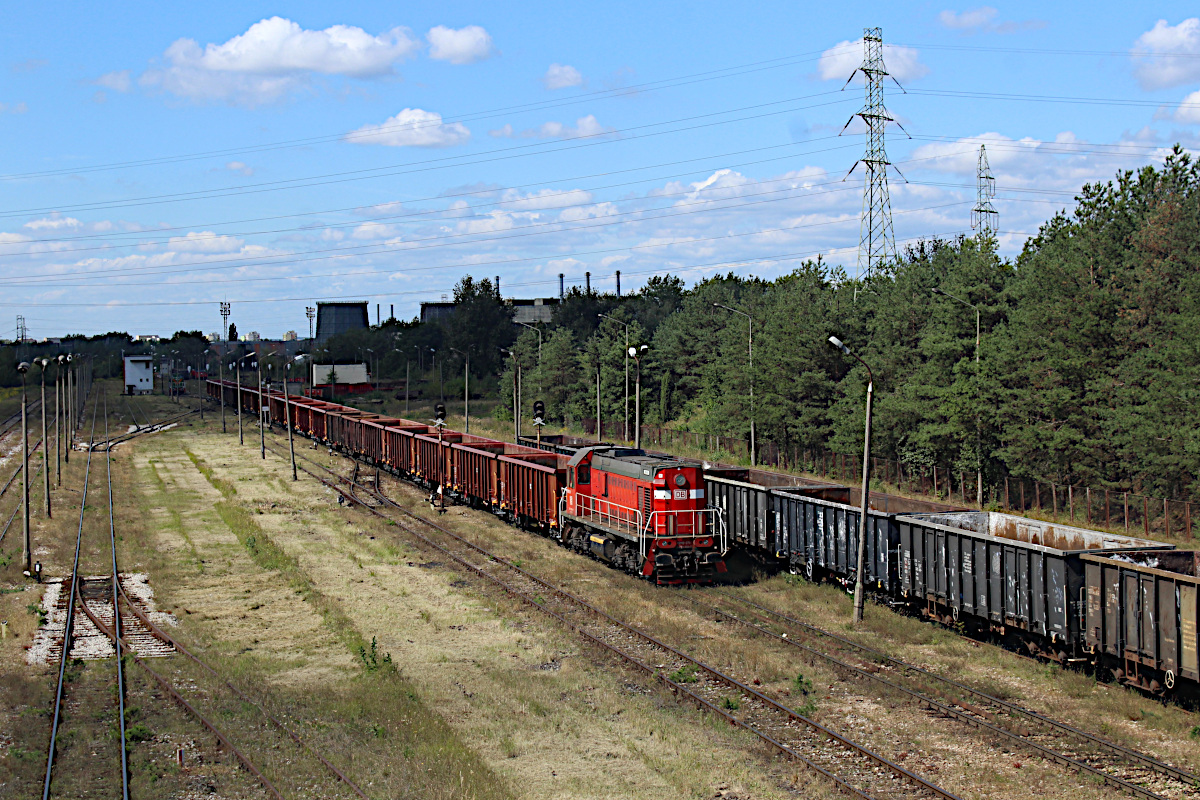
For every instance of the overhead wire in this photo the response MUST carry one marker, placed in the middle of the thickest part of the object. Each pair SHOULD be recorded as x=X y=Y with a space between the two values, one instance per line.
x=600 y=94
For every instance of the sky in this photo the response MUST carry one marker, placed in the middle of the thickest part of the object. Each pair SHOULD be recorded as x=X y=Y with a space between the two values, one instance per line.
x=159 y=159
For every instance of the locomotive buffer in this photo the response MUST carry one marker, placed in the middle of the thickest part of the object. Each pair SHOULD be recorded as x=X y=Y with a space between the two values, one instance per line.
x=646 y=514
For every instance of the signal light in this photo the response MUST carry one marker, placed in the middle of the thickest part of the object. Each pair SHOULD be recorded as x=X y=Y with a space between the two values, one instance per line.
x=439 y=411
x=539 y=411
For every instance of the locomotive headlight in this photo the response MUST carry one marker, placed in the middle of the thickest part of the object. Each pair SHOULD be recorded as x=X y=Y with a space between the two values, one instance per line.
x=680 y=481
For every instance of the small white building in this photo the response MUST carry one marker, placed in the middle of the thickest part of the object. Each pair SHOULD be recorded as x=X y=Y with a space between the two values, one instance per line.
x=139 y=375
x=344 y=373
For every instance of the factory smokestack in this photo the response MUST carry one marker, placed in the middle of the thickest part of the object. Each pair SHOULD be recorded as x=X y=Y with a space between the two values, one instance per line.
x=562 y=291
x=618 y=283
x=587 y=282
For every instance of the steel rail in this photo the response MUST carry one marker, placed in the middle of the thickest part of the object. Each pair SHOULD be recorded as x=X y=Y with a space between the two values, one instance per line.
x=16 y=510
x=167 y=687
x=720 y=676
x=17 y=471
x=970 y=716
x=152 y=428
x=70 y=623
x=117 y=640
x=166 y=638
x=1114 y=748
x=15 y=419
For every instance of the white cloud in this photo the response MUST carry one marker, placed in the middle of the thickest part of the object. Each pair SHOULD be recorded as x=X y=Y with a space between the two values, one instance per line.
x=983 y=20
x=1165 y=55
x=584 y=126
x=841 y=60
x=274 y=57
x=240 y=167
x=412 y=127
x=117 y=81
x=1189 y=110
x=562 y=76
x=373 y=230
x=53 y=223
x=13 y=238
x=463 y=46
x=547 y=198
x=19 y=108
x=204 y=242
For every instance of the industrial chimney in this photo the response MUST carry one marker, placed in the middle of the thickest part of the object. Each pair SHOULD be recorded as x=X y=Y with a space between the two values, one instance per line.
x=618 y=283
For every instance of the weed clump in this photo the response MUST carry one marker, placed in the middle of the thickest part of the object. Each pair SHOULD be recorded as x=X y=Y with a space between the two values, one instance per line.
x=371 y=659
x=804 y=688
x=685 y=674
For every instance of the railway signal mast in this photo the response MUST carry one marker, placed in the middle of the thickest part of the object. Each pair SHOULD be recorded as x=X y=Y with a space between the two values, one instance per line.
x=877 y=240
x=984 y=216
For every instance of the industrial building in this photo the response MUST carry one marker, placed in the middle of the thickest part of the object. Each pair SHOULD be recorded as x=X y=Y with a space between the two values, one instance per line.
x=337 y=318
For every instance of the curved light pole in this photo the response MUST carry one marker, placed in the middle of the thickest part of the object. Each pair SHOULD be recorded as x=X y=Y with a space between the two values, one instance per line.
x=978 y=437
x=58 y=426
x=238 y=364
x=753 y=443
x=516 y=394
x=626 y=326
x=636 y=354
x=287 y=412
x=26 y=549
x=859 y=591
x=44 y=363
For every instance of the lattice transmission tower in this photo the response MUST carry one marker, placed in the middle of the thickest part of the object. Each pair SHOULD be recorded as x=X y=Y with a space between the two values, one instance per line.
x=877 y=240
x=984 y=216
x=225 y=322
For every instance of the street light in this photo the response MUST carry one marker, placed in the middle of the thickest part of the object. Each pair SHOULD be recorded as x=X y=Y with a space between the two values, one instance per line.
x=753 y=444
x=62 y=360
x=978 y=442
x=626 y=326
x=44 y=363
x=466 y=388
x=287 y=412
x=26 y=550
x=221 y=381
x=859 y=599
x=516 y=394
x=238 y=363
x=636 y=354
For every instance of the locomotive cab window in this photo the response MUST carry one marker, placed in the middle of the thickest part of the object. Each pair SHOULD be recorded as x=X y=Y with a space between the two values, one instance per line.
x=583 y=473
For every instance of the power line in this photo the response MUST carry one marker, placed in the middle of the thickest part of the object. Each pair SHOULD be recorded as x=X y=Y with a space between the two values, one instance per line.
x=433 y=292
x=433 y=164
x=600 y=94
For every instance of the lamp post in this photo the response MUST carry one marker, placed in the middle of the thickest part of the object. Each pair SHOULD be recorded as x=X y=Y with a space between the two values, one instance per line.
x=753 y=443
x=68 y=411
x=26 y=550
x=636 y=354
x=466 y=388
x=238 y=364
x=44 y=363
x=262 y=424
x=516 y=394
x=859 y=591
x=58 y=426
x=287 y=416
x=626 y=326
x=369 y=358
x=978 y=438
x=538 y=331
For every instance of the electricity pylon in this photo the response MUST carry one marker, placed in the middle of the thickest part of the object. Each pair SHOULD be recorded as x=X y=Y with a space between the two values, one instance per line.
x=877 y=240
x=984 y=216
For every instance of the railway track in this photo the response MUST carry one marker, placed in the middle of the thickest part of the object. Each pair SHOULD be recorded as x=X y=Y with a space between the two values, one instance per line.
x=1121 y=767
x=11 y=422
x=848 y=765
x=104 y=621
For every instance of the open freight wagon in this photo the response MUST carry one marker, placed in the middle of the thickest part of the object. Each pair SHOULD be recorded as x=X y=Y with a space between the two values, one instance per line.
x=1142 y=610
x=1018 y=577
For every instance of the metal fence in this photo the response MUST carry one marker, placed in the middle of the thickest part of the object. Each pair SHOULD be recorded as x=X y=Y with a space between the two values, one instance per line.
x=1114 y=509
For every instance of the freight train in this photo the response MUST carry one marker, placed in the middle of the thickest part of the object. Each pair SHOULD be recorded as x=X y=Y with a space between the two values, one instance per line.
x=1068 y=594
x=644 y=514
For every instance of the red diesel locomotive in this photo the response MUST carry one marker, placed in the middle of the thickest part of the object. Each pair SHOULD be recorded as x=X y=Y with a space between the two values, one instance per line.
x=645 y=514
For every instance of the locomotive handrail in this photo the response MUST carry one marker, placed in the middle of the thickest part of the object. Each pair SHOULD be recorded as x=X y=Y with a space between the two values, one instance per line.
x=603 y=511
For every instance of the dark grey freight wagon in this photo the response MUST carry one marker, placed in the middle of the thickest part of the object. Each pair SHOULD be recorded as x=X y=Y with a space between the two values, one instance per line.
x=1142 y=613
x=812 y=529
x=1014 y=575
